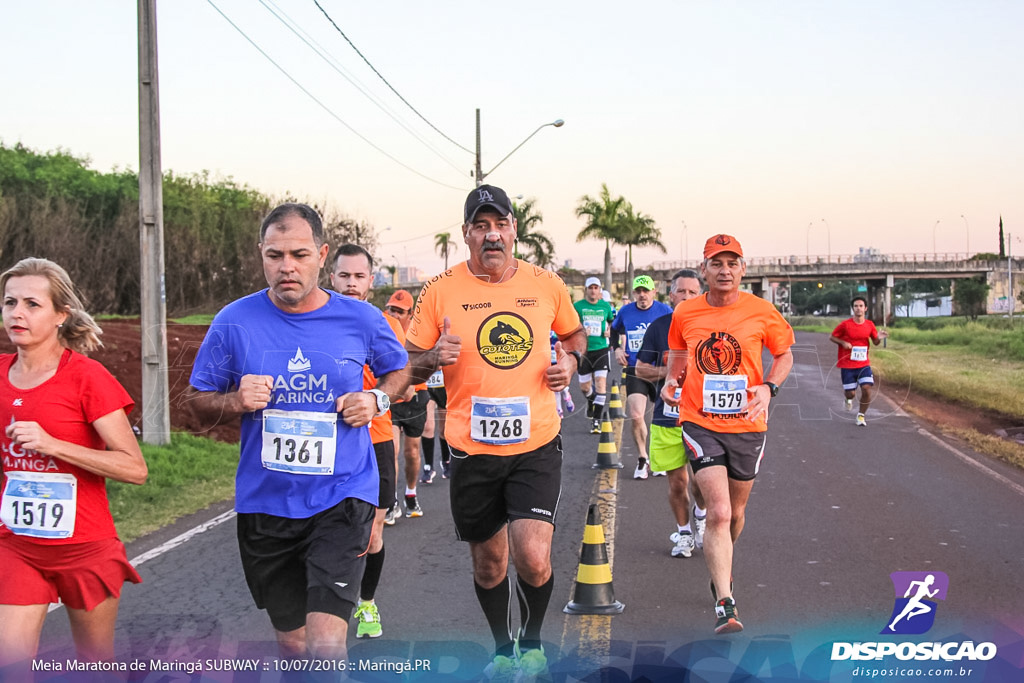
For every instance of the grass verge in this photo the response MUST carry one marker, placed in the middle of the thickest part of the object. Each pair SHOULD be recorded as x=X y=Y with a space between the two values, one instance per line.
x=975 y=365
x=185 y=476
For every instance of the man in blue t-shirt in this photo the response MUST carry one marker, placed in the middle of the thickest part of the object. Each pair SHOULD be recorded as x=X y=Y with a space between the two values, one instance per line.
x=631 y=322
x=288 y=361
x=667 y=451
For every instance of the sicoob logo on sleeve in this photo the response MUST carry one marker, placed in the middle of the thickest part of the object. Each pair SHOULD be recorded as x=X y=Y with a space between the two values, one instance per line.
x=504 y=340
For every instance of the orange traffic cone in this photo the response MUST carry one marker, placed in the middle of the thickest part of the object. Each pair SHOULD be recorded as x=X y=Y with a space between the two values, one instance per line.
x=593 y=593
x=607 y=450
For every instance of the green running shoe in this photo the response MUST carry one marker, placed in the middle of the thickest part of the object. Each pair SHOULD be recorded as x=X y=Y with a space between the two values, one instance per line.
x=532 y=662
x=369 y=621
x=502 y=669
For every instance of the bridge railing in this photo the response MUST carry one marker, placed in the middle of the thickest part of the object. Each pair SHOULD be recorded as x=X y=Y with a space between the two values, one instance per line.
x=834 y=259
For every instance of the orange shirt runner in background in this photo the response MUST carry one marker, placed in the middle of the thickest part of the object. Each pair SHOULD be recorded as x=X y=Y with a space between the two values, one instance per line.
x=724 y=345
x=380 y=427
x=498 y=402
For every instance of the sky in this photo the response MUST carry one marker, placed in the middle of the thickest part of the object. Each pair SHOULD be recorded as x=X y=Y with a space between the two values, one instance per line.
x=798 y=127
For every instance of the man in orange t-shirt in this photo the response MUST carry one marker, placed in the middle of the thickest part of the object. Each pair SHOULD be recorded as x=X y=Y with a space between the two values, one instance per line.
x=352 y=275
x=486 y=322
x=715 y=344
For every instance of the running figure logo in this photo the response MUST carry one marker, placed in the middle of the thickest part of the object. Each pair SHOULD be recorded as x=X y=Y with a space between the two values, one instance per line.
x=914 y=612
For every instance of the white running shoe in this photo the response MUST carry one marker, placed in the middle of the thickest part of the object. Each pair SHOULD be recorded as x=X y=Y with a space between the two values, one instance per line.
x=641 y=470
x=861 y=422
x=683 y=544
x=699 y=524
x=659 y=473
x=849 y=404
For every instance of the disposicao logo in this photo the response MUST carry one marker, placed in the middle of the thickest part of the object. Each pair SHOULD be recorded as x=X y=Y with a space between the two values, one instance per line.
x=913 y=612
x=916 y=593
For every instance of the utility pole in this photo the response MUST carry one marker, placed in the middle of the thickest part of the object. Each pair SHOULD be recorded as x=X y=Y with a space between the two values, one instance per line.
x=1009 y=274
x=478 y=176
x=156 y=422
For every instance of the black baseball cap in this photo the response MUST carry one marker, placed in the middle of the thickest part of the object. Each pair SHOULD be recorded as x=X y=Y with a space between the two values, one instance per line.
x=486 y=195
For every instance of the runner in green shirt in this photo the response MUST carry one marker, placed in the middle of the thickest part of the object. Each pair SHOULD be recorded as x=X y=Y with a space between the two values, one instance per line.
x=595 y=314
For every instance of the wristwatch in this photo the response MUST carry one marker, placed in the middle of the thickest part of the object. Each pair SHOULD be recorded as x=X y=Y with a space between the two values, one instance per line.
x=579 y=358
x=773 y=388
x=383 y=401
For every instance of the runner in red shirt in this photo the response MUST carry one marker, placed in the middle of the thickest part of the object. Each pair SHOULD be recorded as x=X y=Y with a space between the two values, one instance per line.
x=852 y=336
x=66 y=432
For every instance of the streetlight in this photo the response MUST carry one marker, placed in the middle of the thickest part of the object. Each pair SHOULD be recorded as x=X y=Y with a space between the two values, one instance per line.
x=480 y=175
x=686 y=241
x=828 y=233
x=808 y=241
x=934 y=227
x=967 y=226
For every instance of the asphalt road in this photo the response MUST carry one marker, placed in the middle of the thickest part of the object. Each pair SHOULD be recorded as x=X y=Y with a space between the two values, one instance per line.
x=835 y=510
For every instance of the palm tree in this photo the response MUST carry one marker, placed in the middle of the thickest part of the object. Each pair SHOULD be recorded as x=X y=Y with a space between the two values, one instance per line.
x=639 y=231
x=604 y=221
x=444 y=245
x=541 y=248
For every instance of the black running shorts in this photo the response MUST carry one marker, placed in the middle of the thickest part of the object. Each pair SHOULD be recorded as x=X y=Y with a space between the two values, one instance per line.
x=594 y=361
x=411 y=416
x=385 y=452
x=488 y=491
x=439 y=395
x=297 y=566
x=740 y=453
x=635 y=385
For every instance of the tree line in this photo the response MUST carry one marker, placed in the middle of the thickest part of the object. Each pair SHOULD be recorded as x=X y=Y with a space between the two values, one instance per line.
x=52 y=205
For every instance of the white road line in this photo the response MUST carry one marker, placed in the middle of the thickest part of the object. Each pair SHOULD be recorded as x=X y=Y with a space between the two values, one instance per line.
x=981 y=467
x=984 y=469
x=171 y=544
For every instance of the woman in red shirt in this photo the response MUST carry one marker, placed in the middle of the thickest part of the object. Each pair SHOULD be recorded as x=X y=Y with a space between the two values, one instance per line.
x=65 y=431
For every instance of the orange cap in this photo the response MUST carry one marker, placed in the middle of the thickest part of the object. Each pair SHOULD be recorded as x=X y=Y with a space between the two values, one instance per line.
x=401 y=299
x=717 y=244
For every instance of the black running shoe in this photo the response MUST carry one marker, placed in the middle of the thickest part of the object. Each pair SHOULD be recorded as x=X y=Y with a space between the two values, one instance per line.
x=728 y=619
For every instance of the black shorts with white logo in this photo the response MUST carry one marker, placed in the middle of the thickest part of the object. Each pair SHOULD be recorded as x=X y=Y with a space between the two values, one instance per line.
x=740 y=454
x=594 y=361
x=385 y=452
x=411 y=416
x=297 y=566
x=488 y=491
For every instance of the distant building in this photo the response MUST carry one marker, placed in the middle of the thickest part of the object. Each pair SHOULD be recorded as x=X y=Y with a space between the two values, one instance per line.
x=869 y=255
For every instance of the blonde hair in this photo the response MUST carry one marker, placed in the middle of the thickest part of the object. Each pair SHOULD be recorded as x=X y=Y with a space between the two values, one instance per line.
x=79 y=332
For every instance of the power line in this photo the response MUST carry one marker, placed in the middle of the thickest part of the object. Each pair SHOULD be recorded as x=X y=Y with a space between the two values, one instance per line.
x=379 y=75
x=324 y=106
x=321 y=52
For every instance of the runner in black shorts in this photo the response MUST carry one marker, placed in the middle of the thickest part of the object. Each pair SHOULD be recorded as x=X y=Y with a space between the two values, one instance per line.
x=486 y=322
x=627 y=335
x=322 y=503
x=352 y=275
x=439 y=396
x=716 y=342
x=409 y=417
x=596 y=314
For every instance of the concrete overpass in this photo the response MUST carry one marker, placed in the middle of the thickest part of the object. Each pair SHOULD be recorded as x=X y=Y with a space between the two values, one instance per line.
x=769 y=277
